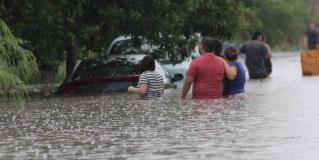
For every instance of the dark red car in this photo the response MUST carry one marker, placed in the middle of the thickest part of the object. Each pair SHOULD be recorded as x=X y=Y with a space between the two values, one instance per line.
x=110 y=75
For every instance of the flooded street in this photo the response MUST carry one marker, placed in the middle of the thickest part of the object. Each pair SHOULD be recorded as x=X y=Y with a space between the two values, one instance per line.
x=278 y=119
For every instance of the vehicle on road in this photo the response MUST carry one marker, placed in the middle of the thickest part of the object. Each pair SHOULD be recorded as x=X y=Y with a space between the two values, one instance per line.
x=126 y=45
x=114 y=74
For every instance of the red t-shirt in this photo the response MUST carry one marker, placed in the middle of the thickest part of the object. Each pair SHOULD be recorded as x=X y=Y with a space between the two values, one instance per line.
x=208 y=71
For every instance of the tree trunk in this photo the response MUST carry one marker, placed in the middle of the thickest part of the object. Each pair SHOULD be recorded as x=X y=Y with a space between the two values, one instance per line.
x=70 y=59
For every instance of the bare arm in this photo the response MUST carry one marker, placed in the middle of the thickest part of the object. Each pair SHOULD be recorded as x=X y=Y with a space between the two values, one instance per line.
x=231 y=72
x=187 y=85
x=141 y=90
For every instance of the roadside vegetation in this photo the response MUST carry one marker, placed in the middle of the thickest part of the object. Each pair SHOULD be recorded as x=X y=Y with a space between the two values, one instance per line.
x=17 y=67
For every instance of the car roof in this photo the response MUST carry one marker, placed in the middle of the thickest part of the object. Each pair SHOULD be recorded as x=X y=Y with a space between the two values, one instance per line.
x=120 y=38
x=130 y=57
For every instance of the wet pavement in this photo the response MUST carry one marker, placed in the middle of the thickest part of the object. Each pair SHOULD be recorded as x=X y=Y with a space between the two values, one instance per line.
x=278 y=119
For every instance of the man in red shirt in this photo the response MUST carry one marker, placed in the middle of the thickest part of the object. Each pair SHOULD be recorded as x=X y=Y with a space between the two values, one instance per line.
x=207 y=72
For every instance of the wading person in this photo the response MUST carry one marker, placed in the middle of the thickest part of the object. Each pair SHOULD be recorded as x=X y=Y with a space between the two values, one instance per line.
x=207 y=72
x=256 y=54
x=236 y=87
x=150 y=84
x=311 y=37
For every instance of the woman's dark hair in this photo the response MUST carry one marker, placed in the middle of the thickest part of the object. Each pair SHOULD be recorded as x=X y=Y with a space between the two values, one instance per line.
x=256 y=35
x=231 y=53
x=148 y=64
x=212 y=45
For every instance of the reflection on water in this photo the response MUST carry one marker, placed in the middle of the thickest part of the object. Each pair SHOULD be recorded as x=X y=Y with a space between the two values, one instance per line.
x=278 y=119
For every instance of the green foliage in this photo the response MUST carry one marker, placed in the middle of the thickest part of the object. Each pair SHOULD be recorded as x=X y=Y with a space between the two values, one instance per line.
x=50 y=28
x=12 y=88
x=18 y=66
x=283 y=21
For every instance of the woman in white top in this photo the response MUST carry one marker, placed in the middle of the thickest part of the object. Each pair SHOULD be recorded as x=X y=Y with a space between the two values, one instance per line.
x=151 y=83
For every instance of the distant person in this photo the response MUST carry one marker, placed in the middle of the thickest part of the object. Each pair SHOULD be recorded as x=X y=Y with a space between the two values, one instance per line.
x=207 y=72
x=256 y=54
x=311 y=37
x=268 y=62
x=150 y=84
x=237 y=86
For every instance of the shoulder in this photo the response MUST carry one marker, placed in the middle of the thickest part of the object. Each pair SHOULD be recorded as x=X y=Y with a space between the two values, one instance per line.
x=250 y=42
x=239 y=64
x=195 y=61
x=157 y=78
x=144 y=78
x=220 y=60
x=243 y=47
x=144 y=75
x=310 y=32
x=264 y=46
x=260 y=44
x=158 y=75
x=235 y=63
x=232 y=63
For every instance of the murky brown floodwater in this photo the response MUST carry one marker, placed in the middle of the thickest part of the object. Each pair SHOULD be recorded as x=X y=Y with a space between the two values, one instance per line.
x=279 y=119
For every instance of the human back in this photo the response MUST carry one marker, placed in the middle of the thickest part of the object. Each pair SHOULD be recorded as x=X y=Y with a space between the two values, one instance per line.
x=154 y=82
x=150 y=84
x=208 y=71
x=256 y=53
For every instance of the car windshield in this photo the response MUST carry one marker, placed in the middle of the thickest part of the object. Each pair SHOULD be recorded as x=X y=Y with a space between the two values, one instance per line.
x=105 y=68
x=130 y=46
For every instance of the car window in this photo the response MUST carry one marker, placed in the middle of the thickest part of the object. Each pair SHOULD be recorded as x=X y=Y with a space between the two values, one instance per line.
x=97 y=68
x=129 y=46
x=162 y=70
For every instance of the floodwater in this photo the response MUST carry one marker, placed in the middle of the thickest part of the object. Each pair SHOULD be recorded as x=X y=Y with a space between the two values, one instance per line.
x=278 y=119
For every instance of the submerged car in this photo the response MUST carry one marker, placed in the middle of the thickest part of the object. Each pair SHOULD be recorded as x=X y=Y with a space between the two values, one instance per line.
x=114 y=74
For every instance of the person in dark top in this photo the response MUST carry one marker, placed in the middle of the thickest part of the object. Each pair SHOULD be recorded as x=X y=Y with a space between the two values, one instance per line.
x=236 y=86
x=311 y=37
x=256 y=53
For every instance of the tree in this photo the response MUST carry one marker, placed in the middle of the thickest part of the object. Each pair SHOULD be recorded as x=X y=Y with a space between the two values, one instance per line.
x=53 y=30
x=66 y=30
x=284 y=21
x=17 y=66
